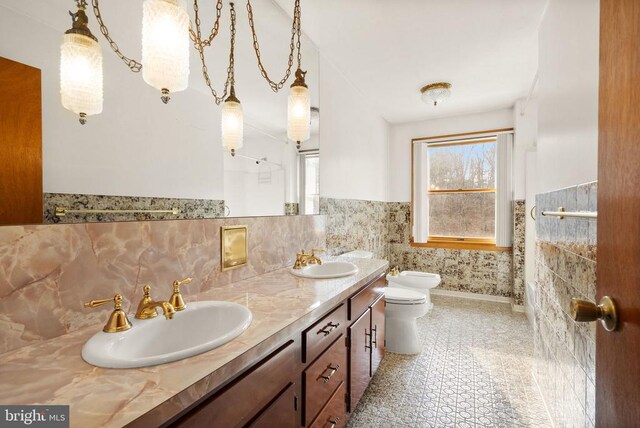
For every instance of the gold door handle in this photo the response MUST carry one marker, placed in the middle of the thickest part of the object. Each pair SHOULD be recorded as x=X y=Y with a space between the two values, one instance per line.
x=605 y=311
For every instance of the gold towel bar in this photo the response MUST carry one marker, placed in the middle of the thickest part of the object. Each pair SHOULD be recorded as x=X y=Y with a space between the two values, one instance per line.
x=61 y=212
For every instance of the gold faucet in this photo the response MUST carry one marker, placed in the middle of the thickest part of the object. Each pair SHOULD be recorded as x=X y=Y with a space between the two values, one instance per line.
x=303 y=259
x=394 y=271
x=118 y=320
x=147 y=307
x=176 y=298
x=314 y=259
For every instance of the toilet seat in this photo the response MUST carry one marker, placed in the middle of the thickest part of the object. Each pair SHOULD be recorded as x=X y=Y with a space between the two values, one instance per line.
x=403 y=296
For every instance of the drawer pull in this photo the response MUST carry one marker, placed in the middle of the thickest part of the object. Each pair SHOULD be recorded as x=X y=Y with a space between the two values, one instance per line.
x=374 y=341
x=327 y=329
x=333 y=422
x=367 y=339
x=332 y=371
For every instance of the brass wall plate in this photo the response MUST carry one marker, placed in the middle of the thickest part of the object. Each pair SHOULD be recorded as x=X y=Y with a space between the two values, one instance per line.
x=234 y=247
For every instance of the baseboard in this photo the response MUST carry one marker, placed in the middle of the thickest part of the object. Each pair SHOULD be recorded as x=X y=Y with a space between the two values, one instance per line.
x=518 y=308
x=544 y=401
x=476 y=296
x=472 y=296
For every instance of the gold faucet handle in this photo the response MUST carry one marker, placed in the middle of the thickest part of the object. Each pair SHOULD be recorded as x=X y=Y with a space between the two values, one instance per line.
x=394 y=271
x=118 y=320
x=176 y=298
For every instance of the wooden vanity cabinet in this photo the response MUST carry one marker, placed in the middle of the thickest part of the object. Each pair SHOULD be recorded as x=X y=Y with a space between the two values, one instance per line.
x=365 y=338
x=313 y=380
x=264 y=392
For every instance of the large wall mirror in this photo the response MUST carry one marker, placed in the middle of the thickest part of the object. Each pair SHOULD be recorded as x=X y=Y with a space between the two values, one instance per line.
x=140 y=154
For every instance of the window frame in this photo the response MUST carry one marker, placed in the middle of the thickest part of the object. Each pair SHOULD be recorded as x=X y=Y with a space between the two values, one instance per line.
x=302 y=171
x=455 y=242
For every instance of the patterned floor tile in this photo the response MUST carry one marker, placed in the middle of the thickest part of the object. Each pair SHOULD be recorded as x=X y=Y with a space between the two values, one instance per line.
x=474 y=371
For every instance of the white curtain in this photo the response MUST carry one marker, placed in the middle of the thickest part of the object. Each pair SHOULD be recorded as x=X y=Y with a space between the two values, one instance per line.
x=504 y=191
x=420 y=188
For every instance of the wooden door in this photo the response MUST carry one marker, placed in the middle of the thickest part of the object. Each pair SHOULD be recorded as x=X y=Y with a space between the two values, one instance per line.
x=377 y=334
x=359 y=358
x=618 y=270
x=20 y=144
x=280 y=413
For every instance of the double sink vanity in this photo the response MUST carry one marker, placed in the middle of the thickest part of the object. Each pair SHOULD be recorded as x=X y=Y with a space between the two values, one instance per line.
x=289 y=348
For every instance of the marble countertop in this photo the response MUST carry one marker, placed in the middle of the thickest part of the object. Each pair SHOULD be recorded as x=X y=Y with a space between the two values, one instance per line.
x=53 y=372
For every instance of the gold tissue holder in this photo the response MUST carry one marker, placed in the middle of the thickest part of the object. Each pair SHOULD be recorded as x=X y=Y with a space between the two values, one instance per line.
x=234 y=247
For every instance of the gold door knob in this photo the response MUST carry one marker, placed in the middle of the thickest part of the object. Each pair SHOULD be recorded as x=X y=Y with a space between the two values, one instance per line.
x=605 y=311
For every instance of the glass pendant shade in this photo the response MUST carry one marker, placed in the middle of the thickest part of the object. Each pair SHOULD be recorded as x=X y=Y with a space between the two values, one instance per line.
x=232 y=125
x=299 y=114
x=81 y=75
x=165 y=45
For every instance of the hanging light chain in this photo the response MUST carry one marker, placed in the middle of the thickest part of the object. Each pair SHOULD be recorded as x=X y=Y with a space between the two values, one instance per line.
x=133 y=65
x=293 y=45
x=200 y=45
x=196 y=36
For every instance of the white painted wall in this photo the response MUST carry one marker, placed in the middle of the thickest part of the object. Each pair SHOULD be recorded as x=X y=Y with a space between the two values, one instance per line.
x=401 y=135
x=568 y=94
x=353 y=153
x=137 y=146
x=525 y=124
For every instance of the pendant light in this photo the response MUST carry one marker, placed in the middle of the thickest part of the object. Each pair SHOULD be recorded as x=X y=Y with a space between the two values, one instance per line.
x=232 y=123
x=299 y=110
x=232 y=118
x=165 y=46
x=81 y=67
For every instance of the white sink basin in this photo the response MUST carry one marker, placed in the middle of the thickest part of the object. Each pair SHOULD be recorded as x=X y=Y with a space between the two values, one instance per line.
x=326 y=270
x=201 y=327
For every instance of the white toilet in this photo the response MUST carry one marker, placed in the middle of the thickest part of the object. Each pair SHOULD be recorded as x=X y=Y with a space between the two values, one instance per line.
x=422 y=282
x=403 y=307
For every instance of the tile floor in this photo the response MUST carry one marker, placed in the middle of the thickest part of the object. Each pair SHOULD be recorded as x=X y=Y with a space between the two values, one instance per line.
x=474 y=371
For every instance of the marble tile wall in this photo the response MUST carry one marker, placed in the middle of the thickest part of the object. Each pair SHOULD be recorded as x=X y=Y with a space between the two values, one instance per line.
x=356 y=225
x=565 y=267
x=189 y=208
x=519 y=217
x=483 y=272
x=291 y=208
x=48 y=271
x=384 y=228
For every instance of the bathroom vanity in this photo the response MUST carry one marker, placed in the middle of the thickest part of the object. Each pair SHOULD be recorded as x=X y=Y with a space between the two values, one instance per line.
x=305 y=360
x=314 y=379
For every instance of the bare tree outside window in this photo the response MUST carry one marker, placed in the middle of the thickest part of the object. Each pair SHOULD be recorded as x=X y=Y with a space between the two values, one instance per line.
x=461 y=192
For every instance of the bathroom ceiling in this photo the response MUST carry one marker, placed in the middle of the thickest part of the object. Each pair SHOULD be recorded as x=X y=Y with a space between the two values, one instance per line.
x=487 y=49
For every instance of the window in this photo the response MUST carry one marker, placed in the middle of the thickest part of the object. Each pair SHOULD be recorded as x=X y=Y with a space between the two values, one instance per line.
x=310 y=182
x=462 y=190
x=461 y=196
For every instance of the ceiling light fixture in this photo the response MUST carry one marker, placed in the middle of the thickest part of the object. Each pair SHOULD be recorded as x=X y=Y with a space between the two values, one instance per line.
x=436 y=92
x=165 y=64
x=81 y=67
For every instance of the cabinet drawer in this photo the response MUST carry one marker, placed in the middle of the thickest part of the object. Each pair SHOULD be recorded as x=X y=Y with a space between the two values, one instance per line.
x=322 y=334
x=323 y=377
x=359 y=302
x=334 y=414
x=244 y=398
